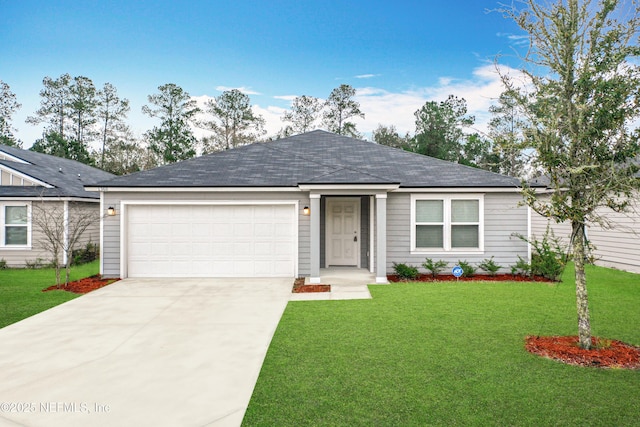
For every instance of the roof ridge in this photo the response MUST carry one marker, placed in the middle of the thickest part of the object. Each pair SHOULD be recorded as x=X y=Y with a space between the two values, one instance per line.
x=340 y=166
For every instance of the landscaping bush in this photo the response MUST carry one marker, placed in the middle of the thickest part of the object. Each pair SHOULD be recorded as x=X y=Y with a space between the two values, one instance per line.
x=435 y=267
x=549 y=256
x=406 y=272
x=85 y=255
x=37 y=263
x=489 y=266
x=522 y=267
x=467 y=269
x=3 y=264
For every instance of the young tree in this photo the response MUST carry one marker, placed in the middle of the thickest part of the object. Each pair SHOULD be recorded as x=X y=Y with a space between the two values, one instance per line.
x=173 y=140
x=339 y=108
x=233 y=122
x=112 y=113
x=303 y=116
x=54 y=104
x=505 y=131
x=583 y=100
x=8 y=106
x=439 y=128
x=62 y=225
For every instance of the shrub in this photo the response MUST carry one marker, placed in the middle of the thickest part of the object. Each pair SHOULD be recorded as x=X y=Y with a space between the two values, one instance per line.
x=85 y=255
x=406 y=272
x=35 y=264
x=522 y=267
x=489 y=266
x=3 y=264
x=435 y=267
x=467 y=269
x=549 y=256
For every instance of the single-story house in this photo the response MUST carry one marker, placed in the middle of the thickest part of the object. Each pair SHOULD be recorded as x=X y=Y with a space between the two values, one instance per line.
x=297 y=205
x=33 y=185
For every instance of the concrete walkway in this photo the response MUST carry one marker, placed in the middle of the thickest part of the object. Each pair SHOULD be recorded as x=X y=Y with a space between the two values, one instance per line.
x=142 y=352
x=346 y=283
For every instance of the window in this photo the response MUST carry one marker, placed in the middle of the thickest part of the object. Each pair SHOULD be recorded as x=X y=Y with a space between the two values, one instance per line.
x=447 y=223
x=15 y=225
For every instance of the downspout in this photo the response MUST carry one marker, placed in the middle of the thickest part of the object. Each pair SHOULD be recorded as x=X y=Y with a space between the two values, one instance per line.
x=529 y=234
x=66 y=232
x=101 y=234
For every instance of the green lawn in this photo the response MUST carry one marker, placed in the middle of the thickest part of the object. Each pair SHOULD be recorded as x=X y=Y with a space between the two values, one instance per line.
x=448 y=354
x=21 y=293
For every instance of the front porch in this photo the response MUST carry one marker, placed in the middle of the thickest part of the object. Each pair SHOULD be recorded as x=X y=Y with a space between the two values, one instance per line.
x=348 y=231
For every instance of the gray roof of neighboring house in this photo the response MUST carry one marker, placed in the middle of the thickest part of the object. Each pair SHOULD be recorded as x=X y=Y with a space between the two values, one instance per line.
x=67 y=177
x=316 y=157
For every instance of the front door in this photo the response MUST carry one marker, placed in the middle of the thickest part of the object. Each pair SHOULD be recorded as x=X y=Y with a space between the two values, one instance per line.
x=343 y=231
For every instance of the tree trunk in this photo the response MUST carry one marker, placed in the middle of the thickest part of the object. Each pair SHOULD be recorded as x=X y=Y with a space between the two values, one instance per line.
x=582 y=302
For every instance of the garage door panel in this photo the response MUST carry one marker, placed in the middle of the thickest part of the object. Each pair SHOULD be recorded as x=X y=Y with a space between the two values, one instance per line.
x=211 y=240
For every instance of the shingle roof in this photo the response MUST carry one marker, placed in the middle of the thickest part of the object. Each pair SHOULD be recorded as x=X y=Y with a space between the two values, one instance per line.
x=316 y=157
x=68 y=177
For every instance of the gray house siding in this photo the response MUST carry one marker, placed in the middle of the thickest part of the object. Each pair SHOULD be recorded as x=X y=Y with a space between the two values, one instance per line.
x=111 y=226
x=502 y=218
x=617 y=246
x=20 y=257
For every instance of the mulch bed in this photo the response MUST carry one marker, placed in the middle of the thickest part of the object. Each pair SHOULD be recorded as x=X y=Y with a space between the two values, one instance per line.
x=300 y=288
x=475 y=278
x=82 y=286
x=604 y=354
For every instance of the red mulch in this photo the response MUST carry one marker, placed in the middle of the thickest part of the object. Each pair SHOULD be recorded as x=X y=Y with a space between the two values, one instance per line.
x=604 y=354
x=300 y=288
x=83 y=286
x=477 y=277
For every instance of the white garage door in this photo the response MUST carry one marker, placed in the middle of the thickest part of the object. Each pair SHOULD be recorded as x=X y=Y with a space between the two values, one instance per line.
x=211 y=240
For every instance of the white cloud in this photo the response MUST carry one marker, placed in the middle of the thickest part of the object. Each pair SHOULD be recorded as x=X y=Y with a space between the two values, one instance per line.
x=245 y=90
x=382 y=106
x=366 y=76
x=518 y=40
x=397 y=108
x=288 y=98
x=271 y=115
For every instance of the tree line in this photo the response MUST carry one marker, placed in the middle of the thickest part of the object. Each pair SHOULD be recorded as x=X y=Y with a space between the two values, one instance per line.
x=77 y=116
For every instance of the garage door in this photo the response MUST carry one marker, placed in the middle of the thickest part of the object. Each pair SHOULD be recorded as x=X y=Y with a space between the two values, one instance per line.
x=211 y=240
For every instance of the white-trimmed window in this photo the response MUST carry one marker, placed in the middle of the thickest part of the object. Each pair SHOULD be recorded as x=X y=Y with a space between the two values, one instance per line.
x=447 y=223
x=16 y=225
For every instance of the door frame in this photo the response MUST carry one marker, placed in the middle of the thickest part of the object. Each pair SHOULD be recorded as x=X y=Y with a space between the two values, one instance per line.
x=327 y=220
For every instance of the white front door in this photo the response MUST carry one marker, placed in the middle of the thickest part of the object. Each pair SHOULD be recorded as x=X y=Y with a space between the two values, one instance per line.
x=343 y=232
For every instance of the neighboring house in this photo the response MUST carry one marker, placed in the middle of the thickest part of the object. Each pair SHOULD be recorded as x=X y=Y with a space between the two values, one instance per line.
x=294 y=206
x=31 y=181
x=617 y=245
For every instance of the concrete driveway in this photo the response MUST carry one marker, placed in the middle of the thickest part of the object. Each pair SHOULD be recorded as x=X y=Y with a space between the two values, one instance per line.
x=142 y=352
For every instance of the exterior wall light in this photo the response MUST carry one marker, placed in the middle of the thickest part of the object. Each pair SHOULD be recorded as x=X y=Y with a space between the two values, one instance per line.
x=306 y=210
x=111 y=211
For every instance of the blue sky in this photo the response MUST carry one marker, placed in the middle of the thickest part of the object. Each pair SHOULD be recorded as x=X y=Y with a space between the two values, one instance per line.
x=397 y=54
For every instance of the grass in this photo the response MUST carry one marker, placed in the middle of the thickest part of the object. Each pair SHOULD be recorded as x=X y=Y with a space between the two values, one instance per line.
x=21 y=293
x=448 y=354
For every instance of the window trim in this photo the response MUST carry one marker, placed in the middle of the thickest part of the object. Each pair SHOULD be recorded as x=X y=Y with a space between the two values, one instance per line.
x=446 y=199
x=3 y=225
